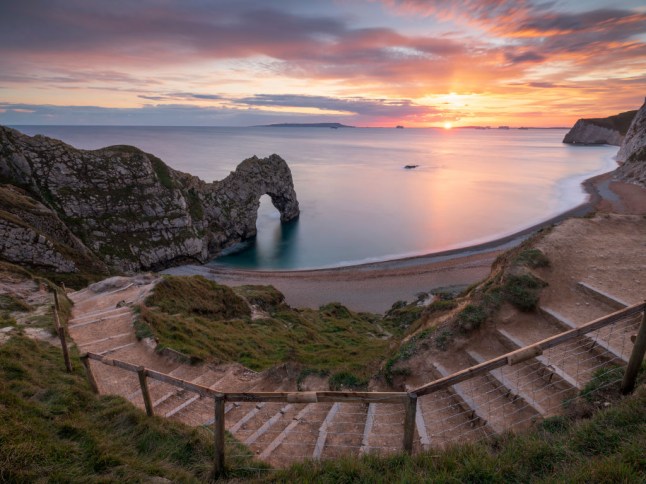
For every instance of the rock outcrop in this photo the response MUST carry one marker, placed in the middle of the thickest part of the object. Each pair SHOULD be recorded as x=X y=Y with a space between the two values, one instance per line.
x=129 y=209
x=632 y=153
x=32 y=234
x=600 y=131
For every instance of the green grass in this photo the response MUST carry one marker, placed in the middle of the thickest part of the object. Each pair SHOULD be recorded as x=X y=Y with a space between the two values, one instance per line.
x=10 y=302
x=212 y=323
x=347 y=381
x=162 y=171
x=54 y=429
x=609 y=447
x=197 y=296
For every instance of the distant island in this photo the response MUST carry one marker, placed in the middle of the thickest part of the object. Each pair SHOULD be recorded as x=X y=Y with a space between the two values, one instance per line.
x=305 y=125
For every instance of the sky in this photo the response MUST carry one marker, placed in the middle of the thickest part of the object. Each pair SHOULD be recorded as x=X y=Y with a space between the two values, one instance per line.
x=415 y=63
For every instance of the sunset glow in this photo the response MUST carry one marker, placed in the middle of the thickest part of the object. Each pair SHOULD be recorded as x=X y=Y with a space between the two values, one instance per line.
x=360 y=62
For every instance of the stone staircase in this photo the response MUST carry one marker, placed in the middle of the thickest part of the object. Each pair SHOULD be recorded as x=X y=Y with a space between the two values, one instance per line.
x=508 y=398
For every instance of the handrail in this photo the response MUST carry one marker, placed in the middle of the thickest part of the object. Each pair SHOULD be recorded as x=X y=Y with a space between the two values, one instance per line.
x=290 y=397
x=528 y=351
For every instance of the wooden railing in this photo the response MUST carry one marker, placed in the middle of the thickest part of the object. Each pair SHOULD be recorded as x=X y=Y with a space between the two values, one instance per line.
x=408 y=399
x=537 y=349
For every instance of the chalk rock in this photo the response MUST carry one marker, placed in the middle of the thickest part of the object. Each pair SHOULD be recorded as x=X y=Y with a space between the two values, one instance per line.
x=132 y=211
x=599 y=131
x=633 y=151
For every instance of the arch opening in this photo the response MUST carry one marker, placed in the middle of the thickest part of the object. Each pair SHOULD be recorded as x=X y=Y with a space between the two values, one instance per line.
x=269 y=230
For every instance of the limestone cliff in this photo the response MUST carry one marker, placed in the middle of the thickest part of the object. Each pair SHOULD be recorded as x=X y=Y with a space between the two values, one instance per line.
x=599 y=131
x=632 y=153
x=131 y=210
x=32 y=234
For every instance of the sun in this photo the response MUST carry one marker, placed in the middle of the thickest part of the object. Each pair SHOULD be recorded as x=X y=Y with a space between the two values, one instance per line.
x=448 y=125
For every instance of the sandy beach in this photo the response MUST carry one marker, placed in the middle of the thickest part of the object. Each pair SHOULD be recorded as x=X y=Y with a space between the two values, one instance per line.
x=375 y=287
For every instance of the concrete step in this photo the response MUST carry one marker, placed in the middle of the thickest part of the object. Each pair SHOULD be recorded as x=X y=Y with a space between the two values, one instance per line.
x=543 y=360
x=515 y=390
x=601 y=296
x=602 y=339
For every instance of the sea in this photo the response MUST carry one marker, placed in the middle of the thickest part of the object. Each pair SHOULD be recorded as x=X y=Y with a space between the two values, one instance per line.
x=359 y=203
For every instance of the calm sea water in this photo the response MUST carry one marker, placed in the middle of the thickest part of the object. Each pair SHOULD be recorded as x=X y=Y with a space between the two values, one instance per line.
x=358 y=203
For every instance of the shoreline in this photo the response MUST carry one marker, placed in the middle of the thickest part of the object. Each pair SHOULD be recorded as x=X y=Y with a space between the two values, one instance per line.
x=374 y=287
x=501 y=243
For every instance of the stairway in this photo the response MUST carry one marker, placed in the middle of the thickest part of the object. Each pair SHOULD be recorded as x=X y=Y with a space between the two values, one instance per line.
x=510 y=398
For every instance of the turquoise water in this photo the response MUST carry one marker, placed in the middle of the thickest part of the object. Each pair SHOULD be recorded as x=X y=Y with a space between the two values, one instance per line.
x=358 y=203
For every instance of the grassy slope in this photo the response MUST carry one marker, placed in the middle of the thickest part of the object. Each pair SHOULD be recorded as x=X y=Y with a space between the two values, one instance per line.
x=211 y=322
x=54 y=428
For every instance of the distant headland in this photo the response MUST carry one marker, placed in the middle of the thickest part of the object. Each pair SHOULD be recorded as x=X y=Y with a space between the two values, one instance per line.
x=305 y=125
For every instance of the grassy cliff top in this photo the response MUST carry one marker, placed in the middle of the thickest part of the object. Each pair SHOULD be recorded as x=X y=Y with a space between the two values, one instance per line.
x=253 y=326
x=619 y=122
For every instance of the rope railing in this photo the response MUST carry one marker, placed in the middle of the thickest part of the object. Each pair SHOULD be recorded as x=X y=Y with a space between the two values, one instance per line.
x=508 y=392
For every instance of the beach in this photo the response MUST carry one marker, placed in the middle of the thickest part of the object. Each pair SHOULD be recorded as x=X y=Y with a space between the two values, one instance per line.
x=376 y=286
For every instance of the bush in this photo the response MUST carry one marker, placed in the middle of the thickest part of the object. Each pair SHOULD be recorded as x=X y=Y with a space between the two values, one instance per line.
x=471 y=317
x=533 y=258
x=443 y=339
x=523 y=291
x=335 y=310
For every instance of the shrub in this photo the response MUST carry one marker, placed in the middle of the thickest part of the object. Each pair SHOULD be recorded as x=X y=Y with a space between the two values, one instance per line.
x=533 y=258
x=470 y=318
x=443 y=339
x=335 y=310
x=522 y=291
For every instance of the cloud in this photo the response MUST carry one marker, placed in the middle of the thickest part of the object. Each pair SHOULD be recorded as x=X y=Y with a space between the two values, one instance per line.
x=527 y=56
x=218 y=55
x=379 y=108
x=175 y=96
x=245 y=113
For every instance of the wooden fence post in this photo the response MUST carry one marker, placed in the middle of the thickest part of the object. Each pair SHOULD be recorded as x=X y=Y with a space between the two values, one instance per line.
x=218 y=432
x=60 y=330
x=88 y=371
x=636 y=358
x=409 y=422
x=144 y=391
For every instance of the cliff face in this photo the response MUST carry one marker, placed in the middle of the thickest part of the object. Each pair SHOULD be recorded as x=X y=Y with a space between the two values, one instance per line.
x=633 y=151
x=596 y=131
x=130 y=210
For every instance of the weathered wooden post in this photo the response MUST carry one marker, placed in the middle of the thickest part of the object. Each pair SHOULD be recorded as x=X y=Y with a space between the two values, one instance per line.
x=409 y=422
x=141 y=372
x=636 y=358
x=88 y=371
x=218 y=432
x=60 y=330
